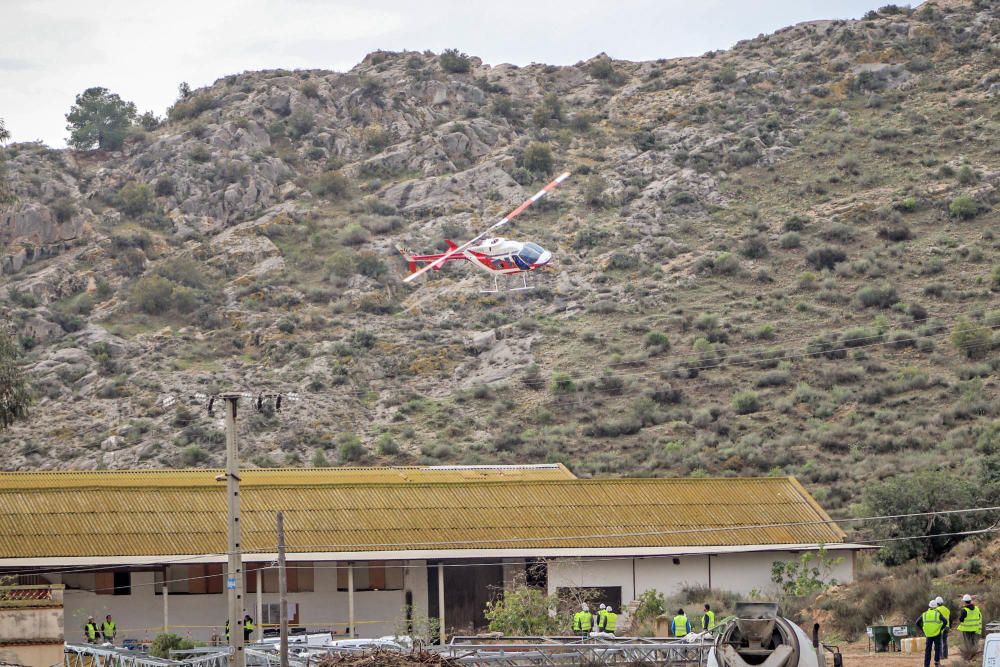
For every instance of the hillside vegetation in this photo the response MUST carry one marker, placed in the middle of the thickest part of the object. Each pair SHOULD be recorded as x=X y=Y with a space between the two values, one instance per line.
x=780 y=258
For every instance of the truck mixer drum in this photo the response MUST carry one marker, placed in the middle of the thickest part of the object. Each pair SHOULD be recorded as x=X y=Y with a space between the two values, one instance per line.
x=761 y=638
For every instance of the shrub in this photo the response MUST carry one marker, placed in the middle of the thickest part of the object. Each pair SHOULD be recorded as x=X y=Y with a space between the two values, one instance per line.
x=350 y=447
x=622 y=261
x=193 y=454
x=895 y=232
x=971 y=339
x=191 y=107
x=354 y=235
x=746 y=402
x=455 y=62
x=877 y=296
x=725 y=263
x=790 y=240
x=331 y=184
x=593 y=190
x=164 y=642
x=63 y=208
x=965 y=175
x=825 y=257
x=135 y=198
x=151 y=294
x=200 y=153
x=165 y=186
x=658 y=341
x=603 y=69
x=386 y=445
x=795 y=223
x=562 y=384
x=523 y=610
x=995 y=278
x=310 y=90
x=537 y=157
x=963 y=207
x=754 y=247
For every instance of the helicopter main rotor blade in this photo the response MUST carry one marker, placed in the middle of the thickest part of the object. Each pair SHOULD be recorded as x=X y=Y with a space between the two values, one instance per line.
x=496 y=225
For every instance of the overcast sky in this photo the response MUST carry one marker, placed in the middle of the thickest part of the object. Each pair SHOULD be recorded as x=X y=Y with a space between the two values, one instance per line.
x=51 y=50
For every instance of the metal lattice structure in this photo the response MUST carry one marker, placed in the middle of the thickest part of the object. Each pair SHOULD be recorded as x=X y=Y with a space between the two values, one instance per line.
x=564 y=651
x=91 y=655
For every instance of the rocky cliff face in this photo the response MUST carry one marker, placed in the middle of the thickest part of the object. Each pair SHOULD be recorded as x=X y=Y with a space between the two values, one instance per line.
x=773 y=220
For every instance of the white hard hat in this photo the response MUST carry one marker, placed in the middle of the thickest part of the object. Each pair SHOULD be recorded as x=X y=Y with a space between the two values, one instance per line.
x=608 y=608
x=584 y=607
x=932 y=604
x=602 y=605
x=966 y=598
x=939 y=600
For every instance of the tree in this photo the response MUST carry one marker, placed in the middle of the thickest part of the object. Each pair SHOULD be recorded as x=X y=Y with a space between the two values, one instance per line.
x=14 y=395
x=809 y=574
x=537 y=157
x=908 y=494
x=99 y=118
x=164 y=642
x=523 y=611
x=4 y=132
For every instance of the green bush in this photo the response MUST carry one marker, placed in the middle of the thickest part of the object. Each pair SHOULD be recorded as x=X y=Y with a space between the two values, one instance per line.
x=165 y=186
x=995 y=278
x=603 y=69
x=652 y=603
x=963 y=207
x=521 y=611
x=354 y=235
x=537 y=157
x=878 y=296
x=164 y=642
x=593 y=190
x=135 y=198
x=151 y=294
x=63 y=208
x=350 y=447
x=658 y=341
x=971 y=339
x=192 y=107
x=455 y=62
x=562 y=384
x=331 y=184
x=386 y=445
x=826 y=257
x=192 y=455
x=790 y=240
x=746 y=402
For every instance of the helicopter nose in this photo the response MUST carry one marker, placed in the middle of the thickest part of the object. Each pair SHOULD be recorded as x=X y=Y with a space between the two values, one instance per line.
x=544 y=258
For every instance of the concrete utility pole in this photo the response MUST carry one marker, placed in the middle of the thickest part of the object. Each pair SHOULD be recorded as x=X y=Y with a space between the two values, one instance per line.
x=234 y=573
x=282 y=593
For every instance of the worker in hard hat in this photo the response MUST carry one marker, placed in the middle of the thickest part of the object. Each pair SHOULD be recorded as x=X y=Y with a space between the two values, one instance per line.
x=932 y=623
x=946 y=613
x=601 y=612
x=609 y=622
x=583 y=621
x=970 y=623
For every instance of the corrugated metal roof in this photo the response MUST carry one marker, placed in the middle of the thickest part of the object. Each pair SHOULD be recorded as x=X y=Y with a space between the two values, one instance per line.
x=282 y=476
x=124 y=520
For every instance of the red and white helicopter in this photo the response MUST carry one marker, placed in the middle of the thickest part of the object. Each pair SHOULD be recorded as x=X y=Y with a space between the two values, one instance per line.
x=495 y=255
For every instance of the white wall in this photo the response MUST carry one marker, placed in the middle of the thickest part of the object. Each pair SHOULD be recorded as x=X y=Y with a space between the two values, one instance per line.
x=140 y=615
x=737 y=572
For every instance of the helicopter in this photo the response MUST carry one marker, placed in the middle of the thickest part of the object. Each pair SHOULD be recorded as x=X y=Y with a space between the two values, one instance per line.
x=496 y=255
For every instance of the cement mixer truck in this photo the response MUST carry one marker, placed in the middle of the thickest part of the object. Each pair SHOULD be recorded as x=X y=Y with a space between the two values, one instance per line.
x=760 y=637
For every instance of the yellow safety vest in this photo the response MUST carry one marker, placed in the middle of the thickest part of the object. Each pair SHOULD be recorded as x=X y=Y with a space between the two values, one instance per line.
x=933 y=623
x=973 y=621
x=248 y=625
x=708 y=620
x=582 y=620
x=610 y=621
x=946 y=613
x=600 y=616
x=91 y=629
x=680 y=626
x=109 y=629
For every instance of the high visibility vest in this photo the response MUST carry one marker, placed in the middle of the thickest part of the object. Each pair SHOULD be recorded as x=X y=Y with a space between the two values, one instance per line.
x=946 y=613
x=582 y=621
x=932 y=622
x=91 y=629
x=248 y=625
x=973 y=621
x=110 y=629
x=708 y=620
x=600 y=616
x=680 y=626
x=610 y=621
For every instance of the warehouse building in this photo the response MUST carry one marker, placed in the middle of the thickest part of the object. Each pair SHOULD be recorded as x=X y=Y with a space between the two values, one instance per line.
x=370 y=548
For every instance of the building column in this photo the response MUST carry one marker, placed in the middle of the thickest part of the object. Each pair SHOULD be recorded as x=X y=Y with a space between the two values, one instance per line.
x=166 y=609
x=441 y=631
x=350 y=600
x=260 y=605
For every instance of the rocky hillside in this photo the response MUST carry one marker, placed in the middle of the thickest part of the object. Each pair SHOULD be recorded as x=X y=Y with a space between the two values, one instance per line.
x=781 y=257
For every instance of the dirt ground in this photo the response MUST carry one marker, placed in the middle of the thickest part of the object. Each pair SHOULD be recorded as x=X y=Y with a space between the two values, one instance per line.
x=860 y=658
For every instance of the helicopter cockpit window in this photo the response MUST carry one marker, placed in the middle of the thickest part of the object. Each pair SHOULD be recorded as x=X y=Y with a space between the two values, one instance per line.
x=529 y=255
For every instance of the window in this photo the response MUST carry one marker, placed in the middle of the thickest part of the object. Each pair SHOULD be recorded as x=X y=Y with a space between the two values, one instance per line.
x=192 y=579
x=271 y=613
x=300 y=577
x=113 y=582
x=374 y=575
x=530 y=253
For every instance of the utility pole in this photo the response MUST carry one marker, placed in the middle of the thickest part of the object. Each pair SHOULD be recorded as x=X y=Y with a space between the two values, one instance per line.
x=282 y=593
x=234 y=573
